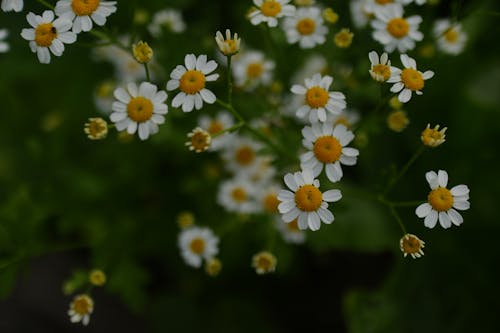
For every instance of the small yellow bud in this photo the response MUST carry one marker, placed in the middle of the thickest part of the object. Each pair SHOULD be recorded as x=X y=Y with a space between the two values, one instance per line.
x=411 y=245
x=264 y=262
x=330 y=16
x=141 y=16
x=96 y=128
x=433 y=137
x=213 y=267
x=185 y=220
x=97 y=277
x=397 y=121
x=395 y=103
x=199 y=140
x=343 y=38
x=142 y=52
x=229 y=45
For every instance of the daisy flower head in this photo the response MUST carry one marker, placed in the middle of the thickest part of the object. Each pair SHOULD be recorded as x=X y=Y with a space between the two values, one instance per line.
x=348 y=118
x=343 y=38
x=80 y=309
x=290 y=232
x=97 y=278
x=264 y=262
x=196 y=244
x=190 y=80
x=450 y=37
x=171 y=19
x=433 y=137
x=394 y=31
x=48 y=35
x=409 y=79
x=317 y=99
x=411 y=245
x=238 y=196
x=441 y=202
x=83 y=12
x=215 y=125
x=305 y=201
x=199 y=140
x=12 y=5
x=229 y=45
x=268 y=197
x=241 y=154
x=381 y=68
x=139 y=109
x=327 y=148
x=96 y=128
x=370 y=6
x=397 y=120
x=4 y=47
x=269 y=11
x=251 y=69
x=142 y=52
x=305 y=27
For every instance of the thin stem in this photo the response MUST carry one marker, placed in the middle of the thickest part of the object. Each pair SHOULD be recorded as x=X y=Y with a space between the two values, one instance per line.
x=103 y=35
x=406 y=203
x=229 y=82
x=231 y=109
x=46 y=4
x=147 y=72
x=398 y=219
x=230 y=129
x=404 y=169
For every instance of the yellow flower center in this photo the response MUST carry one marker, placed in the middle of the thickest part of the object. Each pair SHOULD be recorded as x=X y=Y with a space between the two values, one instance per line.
x=432 y=136
x=308 y=198
x=200 y=141
x=343 y=38
x=271 y=203
x=84 y=7
x=45 y=33
x=197 y=246
x=306 y=26
x=293 y=226
x=97 y=277
x=383 y=2
x=215 y=127
x=140 y=109
x=397 y=120
x=255 y=70
x=343 y=121
x=398 y=27
x=411 y=244
x=440 y=199
x=270 y=8
x=96 y=128
x=327 y=149
x=245 y=155
x=451 y=35
x=82 y=305
x=412 y=79
x=316 y=97
x=383 y=71
x=192 y=82
x=239 y=194
x=142 y=52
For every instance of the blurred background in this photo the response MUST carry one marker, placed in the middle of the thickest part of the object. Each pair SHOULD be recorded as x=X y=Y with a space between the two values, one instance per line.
x=69 y=204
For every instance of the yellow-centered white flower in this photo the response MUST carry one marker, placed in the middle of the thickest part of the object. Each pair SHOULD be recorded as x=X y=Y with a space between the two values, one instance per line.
x=409 y=79
x=441 y=202
x=83 y=13
x=251 y=69
x=269 y=11
x=305 y=27
x=197 y=244
x=450 y=37
x=305 y=201
x=12 y=5
x=381 y=68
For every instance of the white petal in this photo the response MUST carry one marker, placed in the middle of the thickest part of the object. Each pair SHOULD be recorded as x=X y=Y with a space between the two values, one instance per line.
x=313 y=221
x=423 y=210
x=302 y=222
x=207 y=96
x=461 y=205
x=459 y=190
x=143 y=131
x=431 y=219
x=432 y=179
x=444 y=220
x=290 y=182
x=332 y=195
x=455 y=217
x=442 y=178
x=325 y=215
x=291 y=215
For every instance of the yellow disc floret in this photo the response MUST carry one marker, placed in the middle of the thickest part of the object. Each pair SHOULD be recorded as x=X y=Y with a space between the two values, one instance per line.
x=45 y=33
x=412 y=245
x=316 y=97
x=398 y=27
x=140 y=109
x=245 y=155
x=82 y=305
x=192 y=82
x=306 y=26
x=451 y=35
x=412 y=79
x=255 y=70
x=327 y=149
x=199 y=140
x=308 y=198
x=239 y=194
x=271 y=203
x=215 y=127
x=270 y=8
x=197 y=246
x=84 y=7
x=381 y=72
x=440 y=199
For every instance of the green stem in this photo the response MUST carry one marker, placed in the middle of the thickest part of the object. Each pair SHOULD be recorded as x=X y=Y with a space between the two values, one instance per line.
x=103 y=35
x=398 y=219
x=46 y=4
x=404 y=169
x=230 y=129
x=147 y=72
x=229 y=81
x=406 y=203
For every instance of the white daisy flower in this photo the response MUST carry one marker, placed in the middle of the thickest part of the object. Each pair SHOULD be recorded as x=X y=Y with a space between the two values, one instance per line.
x=170 y=19
x=269 y=11
x=241 y=154
x=139 y=109
x=15 y=5
x=317 y=99
x=370 y=6
x=348 y=118
x=196 y=244
x=238 y=196
x=327 y=147
x=305 y=27
x=213 y=125
x=359 y=16
x=80 y=309
x=305 y=201
x=48 y=34
x=441 y=201
x=394 y=31
x=290 y=231
x=381 y=68
x=83 y=12
x=450 y=37
x=252 y=68
x=4 y=47
x=409 y=79
x=267 y=196
x=103 y=96
x=191 y=79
